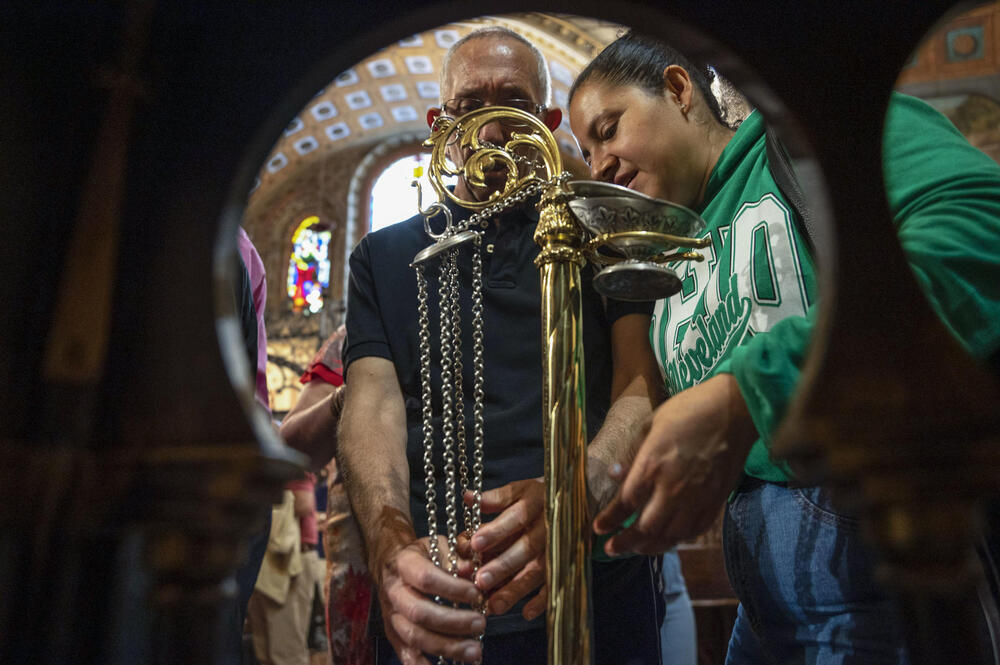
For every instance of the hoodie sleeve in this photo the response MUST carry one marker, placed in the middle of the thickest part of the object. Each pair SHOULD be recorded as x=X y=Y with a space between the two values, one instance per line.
x=945 y=198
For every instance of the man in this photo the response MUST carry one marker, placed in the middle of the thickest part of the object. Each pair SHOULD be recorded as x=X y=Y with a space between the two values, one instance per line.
x=381 y=441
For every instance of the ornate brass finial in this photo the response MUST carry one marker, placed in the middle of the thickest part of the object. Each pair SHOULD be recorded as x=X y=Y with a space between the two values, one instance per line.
x=530 y=155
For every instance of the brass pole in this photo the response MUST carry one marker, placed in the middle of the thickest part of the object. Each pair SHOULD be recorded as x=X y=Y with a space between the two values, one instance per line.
x=564 y=399
x=564 y=432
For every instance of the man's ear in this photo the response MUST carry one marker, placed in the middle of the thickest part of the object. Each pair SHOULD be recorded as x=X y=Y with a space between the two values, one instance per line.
x=432 y=114
x=552 y=118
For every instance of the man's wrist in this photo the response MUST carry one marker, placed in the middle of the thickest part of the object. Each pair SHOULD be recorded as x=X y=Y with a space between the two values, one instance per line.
x=394 y=531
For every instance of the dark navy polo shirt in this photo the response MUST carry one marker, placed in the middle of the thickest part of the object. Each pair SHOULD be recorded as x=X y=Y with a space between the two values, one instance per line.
x=382 y=321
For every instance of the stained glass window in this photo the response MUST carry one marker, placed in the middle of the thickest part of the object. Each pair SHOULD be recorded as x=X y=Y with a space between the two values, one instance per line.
x=309 y=266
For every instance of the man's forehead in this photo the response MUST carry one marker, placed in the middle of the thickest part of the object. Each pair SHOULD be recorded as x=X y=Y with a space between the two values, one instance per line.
x=487 y=79
x=493 y=63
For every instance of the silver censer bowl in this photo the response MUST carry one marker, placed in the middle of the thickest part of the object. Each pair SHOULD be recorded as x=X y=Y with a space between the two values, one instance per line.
x=634 y=237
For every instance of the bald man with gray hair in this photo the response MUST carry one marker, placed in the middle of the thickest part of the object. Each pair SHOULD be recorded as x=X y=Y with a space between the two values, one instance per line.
x=500 y=32
x=381 y=435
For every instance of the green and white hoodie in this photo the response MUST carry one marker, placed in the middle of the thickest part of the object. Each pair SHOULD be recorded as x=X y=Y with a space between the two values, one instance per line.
x=747 y=309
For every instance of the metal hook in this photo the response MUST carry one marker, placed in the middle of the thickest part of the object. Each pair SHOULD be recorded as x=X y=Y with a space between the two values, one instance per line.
x=432 y=211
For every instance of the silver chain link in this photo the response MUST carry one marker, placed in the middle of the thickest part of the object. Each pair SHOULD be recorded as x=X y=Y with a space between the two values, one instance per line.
x=452 y=401
x=474 y=516
x=456 y=323
x=427 y=414
x=450 y=342
x=532 y=189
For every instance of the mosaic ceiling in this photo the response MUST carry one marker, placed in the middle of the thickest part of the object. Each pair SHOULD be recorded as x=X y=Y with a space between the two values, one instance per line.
x=378 y=106
x=389 y=92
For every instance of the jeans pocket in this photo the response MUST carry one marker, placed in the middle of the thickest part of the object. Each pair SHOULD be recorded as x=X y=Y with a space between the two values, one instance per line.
x=815 y=502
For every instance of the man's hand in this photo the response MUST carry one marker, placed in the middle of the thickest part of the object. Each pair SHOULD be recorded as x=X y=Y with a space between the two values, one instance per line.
x=373 y=458
x=512 y=547
x=414 y=623
x=689 y=462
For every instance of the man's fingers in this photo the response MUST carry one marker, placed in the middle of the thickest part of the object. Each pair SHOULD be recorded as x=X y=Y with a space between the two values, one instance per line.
x=637 y=539
x=418 y=572
x=466 y=568
x=639 y=483
x=531 y=577
x=407 y=655
x=513 y=521
x=536 y=606
x=494 y=500
x=464 y=545
x=512 y=560
x=417 y=637
x=506 y=565
x=613 y=515
x=424 y=612
x=686 y=524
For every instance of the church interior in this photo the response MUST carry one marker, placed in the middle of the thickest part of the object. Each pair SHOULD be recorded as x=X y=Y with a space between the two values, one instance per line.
x=133 y=464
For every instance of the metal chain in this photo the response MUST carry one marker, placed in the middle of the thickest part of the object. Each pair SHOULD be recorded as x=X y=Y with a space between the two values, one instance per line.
x=453 y=426
x=448 y=402
x=452 y=399
x=481 y=218
x=423 y=321
x=474 y=516
x=460 y=433
x=478 y=381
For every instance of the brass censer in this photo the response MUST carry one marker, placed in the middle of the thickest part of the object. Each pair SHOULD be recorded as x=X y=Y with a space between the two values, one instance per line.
x=629 y=235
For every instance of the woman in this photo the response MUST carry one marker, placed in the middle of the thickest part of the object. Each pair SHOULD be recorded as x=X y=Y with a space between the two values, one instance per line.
x=311 y=427
x=730 y=344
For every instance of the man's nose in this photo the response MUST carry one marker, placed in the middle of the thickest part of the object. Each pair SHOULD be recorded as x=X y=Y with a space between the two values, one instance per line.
x=493 y=132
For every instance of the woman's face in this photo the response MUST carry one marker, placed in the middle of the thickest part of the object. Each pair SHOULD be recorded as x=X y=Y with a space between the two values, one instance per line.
x=641 y=140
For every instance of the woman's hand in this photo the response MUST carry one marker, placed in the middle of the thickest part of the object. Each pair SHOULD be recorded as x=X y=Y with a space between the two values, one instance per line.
x=689 y=462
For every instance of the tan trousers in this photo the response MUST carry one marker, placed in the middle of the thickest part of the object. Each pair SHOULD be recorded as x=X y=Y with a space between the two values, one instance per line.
x=279 y=630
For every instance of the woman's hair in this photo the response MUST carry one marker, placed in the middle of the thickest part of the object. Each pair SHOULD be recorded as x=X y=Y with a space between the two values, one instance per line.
x=635 y=59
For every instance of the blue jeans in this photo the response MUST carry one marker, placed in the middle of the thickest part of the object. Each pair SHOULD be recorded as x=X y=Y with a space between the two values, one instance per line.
x=678 y=639
x=805 y=583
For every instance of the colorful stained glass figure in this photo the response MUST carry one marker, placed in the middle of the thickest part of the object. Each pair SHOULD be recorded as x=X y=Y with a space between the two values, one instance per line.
x=309 y=266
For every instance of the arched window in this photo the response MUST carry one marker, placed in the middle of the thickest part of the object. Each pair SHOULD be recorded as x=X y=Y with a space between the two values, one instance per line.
x=309 y=266
x=393 y=199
